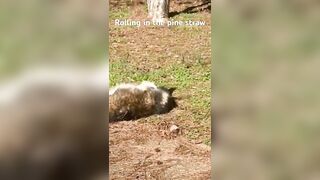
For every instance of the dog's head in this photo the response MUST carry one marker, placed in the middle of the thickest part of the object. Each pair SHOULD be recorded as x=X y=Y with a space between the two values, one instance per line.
x=171 y=100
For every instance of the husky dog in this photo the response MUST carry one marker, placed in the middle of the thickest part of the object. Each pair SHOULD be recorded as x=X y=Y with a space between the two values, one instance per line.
x=133 y=101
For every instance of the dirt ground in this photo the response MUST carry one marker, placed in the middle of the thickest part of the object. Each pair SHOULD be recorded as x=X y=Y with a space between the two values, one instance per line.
x=144 y=151
x=146 y=148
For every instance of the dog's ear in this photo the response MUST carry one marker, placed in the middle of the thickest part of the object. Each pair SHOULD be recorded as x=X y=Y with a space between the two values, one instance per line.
x=171 y=90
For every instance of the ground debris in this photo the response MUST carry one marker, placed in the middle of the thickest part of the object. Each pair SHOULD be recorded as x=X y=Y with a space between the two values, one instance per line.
x=138 y=152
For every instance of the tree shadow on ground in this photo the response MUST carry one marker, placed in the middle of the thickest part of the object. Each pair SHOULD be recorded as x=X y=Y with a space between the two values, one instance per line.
x=205 y=6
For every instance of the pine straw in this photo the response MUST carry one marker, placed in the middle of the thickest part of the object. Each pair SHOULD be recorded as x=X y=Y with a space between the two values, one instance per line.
x=144 y=151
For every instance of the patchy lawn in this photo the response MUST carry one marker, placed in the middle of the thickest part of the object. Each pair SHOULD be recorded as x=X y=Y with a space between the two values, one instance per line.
x=177 y=57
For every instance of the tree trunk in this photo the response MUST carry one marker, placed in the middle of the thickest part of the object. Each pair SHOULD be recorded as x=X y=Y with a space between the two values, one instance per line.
x=158 y=10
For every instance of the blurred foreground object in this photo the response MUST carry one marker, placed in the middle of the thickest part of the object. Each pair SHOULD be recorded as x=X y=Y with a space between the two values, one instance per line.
x=52 y=120
x=267 y=101
x=53 y=125
x=64 y=33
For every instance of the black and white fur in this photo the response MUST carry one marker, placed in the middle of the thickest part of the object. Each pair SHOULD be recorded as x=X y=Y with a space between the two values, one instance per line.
x=132 y=101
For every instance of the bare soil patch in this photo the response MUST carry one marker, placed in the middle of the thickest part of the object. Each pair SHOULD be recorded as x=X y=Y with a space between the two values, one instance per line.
x=145 y=151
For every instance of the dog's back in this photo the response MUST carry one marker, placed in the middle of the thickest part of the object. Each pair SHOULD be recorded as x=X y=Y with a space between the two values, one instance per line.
x=133 y=101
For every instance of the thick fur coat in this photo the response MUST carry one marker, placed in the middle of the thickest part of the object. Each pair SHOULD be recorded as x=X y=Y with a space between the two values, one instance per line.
x=133 y=101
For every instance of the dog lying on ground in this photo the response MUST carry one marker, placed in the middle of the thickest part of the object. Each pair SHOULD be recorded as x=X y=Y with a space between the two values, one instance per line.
x=133 y=101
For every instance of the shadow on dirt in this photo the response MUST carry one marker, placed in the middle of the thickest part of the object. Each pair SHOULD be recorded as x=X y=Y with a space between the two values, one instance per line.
x=205 y=6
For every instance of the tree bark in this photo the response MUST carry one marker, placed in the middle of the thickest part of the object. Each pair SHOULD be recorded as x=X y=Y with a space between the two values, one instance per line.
x=158 y=10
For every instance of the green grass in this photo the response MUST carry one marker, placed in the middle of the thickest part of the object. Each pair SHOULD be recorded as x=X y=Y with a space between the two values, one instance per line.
x=193 y=82
x=186 y=66
x=181 y=76
x=120 y=14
